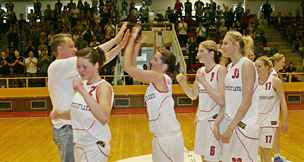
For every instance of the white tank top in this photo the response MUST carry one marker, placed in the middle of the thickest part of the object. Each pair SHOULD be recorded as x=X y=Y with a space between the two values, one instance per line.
x=160 y=109
x=207 y=107
x=234 y=92
x=85 y=125
x=269 y=104
x=273 y=72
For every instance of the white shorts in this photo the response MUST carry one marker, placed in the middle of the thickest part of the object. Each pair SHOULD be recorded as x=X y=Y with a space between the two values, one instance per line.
x=267 y=136
x=94 y=152
x=168 y=148
x=205 y=142
x=243 y=145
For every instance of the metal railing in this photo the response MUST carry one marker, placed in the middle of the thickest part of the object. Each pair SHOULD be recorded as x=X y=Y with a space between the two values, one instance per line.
x=25 y=82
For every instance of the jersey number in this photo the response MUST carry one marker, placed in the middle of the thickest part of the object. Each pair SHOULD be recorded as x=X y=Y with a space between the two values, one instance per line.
x=268 y=86
x=268 y=139
x=212 y=150
x=92 y=89
x=236 y=159
x=236 y=73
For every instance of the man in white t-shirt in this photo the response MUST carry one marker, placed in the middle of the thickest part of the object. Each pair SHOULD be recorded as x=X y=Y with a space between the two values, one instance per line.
x=31 y=65
x=61 y=74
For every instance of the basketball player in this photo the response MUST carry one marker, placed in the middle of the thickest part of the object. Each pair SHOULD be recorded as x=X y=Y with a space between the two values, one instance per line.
x=167 y=144
x=278 y=62
x=91 y=108
x=249 y=47
x=61 y=74
x=271 y=98
x=240 y=130
x=209 y=86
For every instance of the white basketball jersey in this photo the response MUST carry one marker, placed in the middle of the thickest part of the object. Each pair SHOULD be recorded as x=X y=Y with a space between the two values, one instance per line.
x=160 y=109
x=207 y=107
x=273 y=72
x=269 y=104
x=83 y=121
x=234 y=92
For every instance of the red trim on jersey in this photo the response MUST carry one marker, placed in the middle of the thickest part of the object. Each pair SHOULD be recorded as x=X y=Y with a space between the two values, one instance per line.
x=210 y=69
x=160 y=106
x=166 y=86
x=237 y=135
x=97 y=94
x=252 y=138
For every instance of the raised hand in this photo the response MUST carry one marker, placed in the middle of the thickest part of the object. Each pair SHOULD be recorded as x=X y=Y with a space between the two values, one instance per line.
x=121 y=32
x=78 y=86
x=125 y=39
x=181 y=78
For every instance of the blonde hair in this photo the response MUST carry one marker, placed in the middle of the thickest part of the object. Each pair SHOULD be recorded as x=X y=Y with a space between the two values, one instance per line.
x=237 y=37
x=212 y=46
x=249 y=43
x=266 y=61
x=57 y=40
x=276 y=57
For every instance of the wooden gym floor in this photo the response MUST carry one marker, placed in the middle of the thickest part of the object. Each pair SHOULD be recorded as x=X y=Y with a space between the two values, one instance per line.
x=30 y=139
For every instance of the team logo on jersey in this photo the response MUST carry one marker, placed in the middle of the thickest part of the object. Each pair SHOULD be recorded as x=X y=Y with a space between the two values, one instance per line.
x=80 y=106
x=150 y=97
x=266 y=97
x=233 y=88
x=200 y=90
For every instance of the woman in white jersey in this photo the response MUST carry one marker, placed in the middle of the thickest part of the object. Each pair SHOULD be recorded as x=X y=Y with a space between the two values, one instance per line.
x=278 y=62
x=91 y=108
x=239 y=129
x=209 y=86
x=271 y=98
x=167 y=144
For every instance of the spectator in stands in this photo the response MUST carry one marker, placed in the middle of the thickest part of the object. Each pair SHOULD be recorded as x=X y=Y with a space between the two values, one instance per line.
x=198 y=7
x=11 y=18
x=267 y=10
x=109 y=30
x=10 y=6
x=4 y=66
x=81 y=43
x=58 y=7
x=17 y=63
x=144 y=13
x=182 y=32
x=70 y=5
x=43 y=62
x=188 y=8
x=239 y=12
x=229 y=17
x=37 y=9
x=178 y=8
x=192 y=50
x=201 y=33
x=13 y=38
x=31 y=65
x=94 y=42
x=170 y=15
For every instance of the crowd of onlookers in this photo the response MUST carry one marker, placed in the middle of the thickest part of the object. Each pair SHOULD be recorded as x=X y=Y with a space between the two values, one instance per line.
x=29 y=52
